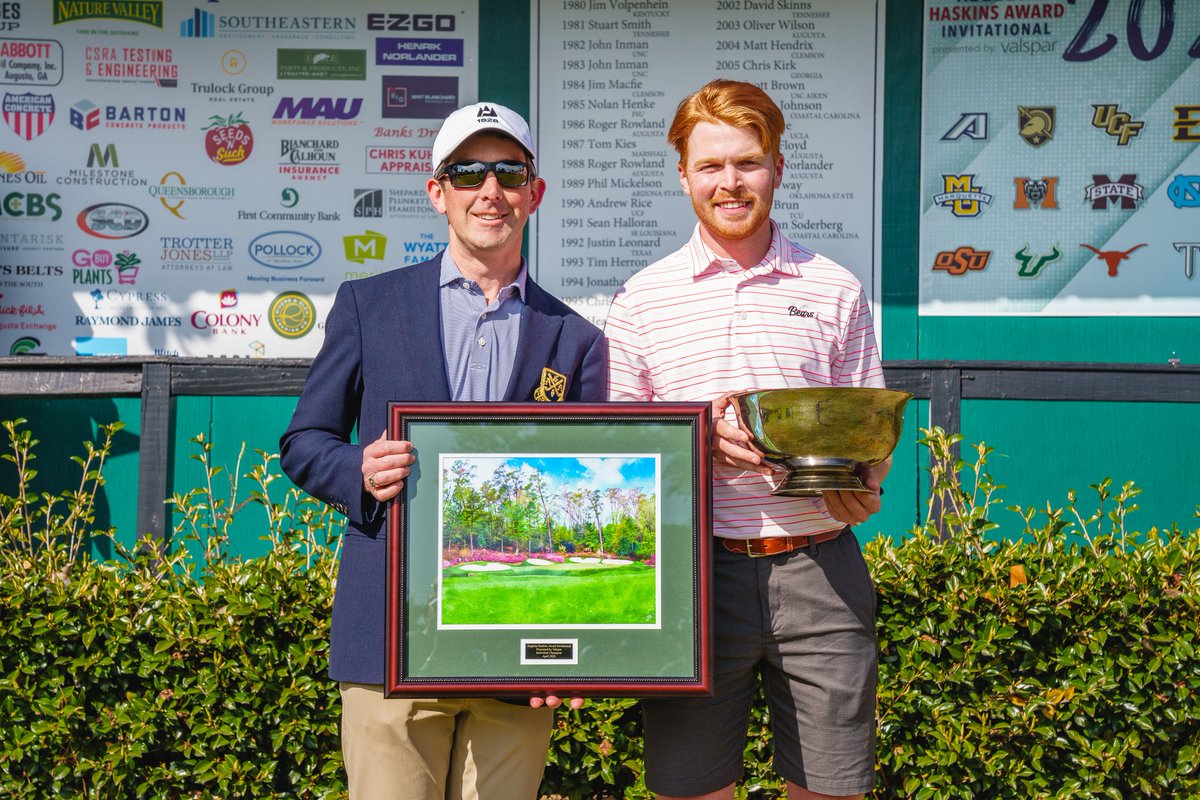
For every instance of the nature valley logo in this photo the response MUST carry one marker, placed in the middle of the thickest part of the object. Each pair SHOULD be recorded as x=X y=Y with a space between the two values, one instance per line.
x=147 y=12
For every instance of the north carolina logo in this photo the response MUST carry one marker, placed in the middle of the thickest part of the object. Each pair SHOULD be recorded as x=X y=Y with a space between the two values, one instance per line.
x=1184 y=191
x=1036 y=124
x=1032 y=264
x=553 y=387
x=962 y=196
x=1039 y=193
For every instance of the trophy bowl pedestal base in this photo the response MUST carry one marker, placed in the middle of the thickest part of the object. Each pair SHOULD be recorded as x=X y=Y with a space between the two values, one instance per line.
x=808 y=477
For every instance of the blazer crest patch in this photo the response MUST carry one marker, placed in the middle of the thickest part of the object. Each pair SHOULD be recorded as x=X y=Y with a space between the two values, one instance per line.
x=553 y=387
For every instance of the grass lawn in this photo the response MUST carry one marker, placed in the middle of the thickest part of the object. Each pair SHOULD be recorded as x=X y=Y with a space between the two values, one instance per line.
x=565 y=594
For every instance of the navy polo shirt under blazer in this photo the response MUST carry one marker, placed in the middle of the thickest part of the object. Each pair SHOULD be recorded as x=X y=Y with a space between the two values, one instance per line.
x=383 y=342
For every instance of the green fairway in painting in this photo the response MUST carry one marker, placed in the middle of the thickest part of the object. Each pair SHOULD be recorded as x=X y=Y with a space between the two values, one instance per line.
x=561 y=594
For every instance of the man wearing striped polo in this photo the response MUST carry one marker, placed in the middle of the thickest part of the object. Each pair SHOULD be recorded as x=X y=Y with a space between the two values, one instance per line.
x=741 y=307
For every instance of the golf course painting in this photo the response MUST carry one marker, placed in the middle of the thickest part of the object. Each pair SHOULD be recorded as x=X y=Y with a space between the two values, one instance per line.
x=549 y=541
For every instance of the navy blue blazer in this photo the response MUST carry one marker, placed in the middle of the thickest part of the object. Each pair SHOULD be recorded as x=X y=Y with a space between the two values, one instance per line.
x=383 y=342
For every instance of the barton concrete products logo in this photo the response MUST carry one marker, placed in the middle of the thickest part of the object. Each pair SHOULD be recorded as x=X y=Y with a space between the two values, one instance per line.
x=1035 y=193
x=962 y=196
x=371 y=245
x=85 y=115
x=418 y=52
x=31 y=206
x=1104 y=192
x=1191 y=253
x=1186 y=125
x=292 y=315
x=1112 y=258
x=399 y=160
x=285 y=250
x=112 y=221
x=1116 y=123
x=228 y=140
x=1184 y=191
x=970 y=125
x=1032 y=263
x=309 y=159
x=31 y=62
x=419 y=23
x=173 y=190
x=29 y=115
x=317 y=111
x=962 y=260
x=1035 y=124
x=131 y=65
x=160 y=118
x=418 y=96
x=147 y=12
x=326 y=64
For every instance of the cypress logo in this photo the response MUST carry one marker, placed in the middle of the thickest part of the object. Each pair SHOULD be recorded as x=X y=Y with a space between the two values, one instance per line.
x=147 y=12
x=972 y=125
x=1035 y=193
x=1104 y=192
x=962 y=196
x=1032 y=263
x=1116 y=123
x=292 y=315
x=1112 y=258
x=1036 y=124
x=962 y=260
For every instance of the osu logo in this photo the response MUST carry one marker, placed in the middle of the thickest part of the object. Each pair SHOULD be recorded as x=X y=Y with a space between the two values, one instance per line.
x=958 y=262
x=1116 y=123
x=1032 y=264
x=1036 y=124
x=1038 y=193
x=1184 y=191
x=962 y=196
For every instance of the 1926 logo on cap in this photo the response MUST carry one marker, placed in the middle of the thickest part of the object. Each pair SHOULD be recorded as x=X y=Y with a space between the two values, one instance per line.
x=486 y=114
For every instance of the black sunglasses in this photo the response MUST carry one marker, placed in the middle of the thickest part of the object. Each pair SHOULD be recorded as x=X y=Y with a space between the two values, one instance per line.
x=469 y=174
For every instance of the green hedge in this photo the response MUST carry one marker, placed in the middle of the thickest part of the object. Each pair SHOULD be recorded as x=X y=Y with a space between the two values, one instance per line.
x=1063 y=664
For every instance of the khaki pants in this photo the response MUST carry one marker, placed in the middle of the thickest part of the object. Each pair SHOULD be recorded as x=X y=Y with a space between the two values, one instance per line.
x=441 y=749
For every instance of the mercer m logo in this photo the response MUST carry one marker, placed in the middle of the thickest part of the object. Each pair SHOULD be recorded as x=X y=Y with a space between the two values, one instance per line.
x=1032 y=264
x=1112 y=257
x=1116 y=123
x=962 y=196
x=318 y=108
x=960 y=261
x=103 y=158
x=1039 y=193
x=1104 y=193
x=371 y=245
x=973 y=125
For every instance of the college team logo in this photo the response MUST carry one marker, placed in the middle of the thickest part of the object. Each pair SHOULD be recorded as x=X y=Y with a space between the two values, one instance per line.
x=1116 y=123
x=962 y=196
x=1189 y=250
x=964 y=259
x=971 y=124
x=1186 y=125
x=1033 y=263
x=28 y=114
x=1184 y=191
x=1033 y=193
x=1112 y=257
x=1036 y=124
x=1104 y=193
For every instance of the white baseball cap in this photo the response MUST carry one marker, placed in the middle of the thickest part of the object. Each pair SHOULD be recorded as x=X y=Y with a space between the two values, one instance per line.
x=476 y=118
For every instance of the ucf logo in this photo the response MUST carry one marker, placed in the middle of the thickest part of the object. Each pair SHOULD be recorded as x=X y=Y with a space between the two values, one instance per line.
x=962 y=196
x=1036 y=124
x=1116 y=123
x=1032 y=193
x=553 y=387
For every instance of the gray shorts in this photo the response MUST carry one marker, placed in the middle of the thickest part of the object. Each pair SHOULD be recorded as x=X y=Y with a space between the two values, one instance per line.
x=806 y=621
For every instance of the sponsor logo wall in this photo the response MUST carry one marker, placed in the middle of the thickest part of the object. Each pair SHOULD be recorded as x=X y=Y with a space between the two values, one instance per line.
x=196 y=179
x=1060 y=170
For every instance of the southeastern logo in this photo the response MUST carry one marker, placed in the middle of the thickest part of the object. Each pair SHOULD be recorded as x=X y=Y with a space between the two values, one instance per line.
x=147 y=12
x=962 y=260
x=962 y=196
x=1115 y=123
x=285 y=250
x=112 y=220
x=370 y=245
x=292 y=315
x=1036 y=124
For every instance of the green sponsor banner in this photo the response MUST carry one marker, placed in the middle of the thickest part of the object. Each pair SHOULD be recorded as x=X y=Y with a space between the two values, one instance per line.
x=322 y=64
x=148 y=12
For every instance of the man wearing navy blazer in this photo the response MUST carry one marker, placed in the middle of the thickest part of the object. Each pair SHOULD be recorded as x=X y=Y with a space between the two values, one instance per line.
x=468 y=324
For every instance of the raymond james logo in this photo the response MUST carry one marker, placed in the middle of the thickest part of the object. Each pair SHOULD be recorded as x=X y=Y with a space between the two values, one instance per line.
x=972 y=125
x=1105 y=193
x=317 y=110
x=1115 y=123
x=962 y=260
x=1186 y=126
x=1032 y=263
x=28 y=114
x=801 y=312
x=321 y=65
x=962 y=196
x=425 y=23
x=1033 y=193
x=285 y=250
x=1184 y=191
x=1035 y=124
x=1112 y=258
x=30 y=62
x=147 y=12
x=418 y=52
x=112 y=220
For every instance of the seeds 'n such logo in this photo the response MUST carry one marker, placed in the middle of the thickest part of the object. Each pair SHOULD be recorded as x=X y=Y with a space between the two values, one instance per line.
x=1112 y=257
x=1036 y=124
x=962 y=196
x=1115 y=123
x=962 y=260
x=228 y=140
x=1033 y=193
x=1033 y=263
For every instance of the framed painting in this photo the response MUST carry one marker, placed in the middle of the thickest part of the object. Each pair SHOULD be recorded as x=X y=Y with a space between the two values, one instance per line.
x=542 y=548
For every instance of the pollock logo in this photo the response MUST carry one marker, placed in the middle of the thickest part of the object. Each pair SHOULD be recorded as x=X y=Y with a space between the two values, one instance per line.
x=285 y=250
x=292 y=315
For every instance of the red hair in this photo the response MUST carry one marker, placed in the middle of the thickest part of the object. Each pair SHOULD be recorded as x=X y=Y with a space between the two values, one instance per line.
x=736 y=103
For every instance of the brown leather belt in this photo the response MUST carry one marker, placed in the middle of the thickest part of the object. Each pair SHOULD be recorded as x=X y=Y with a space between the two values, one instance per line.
x=778 y=545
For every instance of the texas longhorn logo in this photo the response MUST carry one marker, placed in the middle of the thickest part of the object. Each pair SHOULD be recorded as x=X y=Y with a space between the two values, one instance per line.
x=1036 y=124
x=962 y=196
x=1039 y=193
x=1112 y=257
x=1120 y=124
x=1032 y=264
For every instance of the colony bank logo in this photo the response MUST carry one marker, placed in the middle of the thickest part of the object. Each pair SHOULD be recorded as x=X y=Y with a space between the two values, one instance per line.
x=112 y=221
x=29 y=115
x=147 y=12
x=30 y=62
x=1033 y=263
x=972 y=125
x=1116 y=123
x=226 y=320
x=962 y=260
x=285 y=250
x=1112 y=258
x=962 y=196
x=1032 y=193
x=317 y=111
x=1104 y=192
